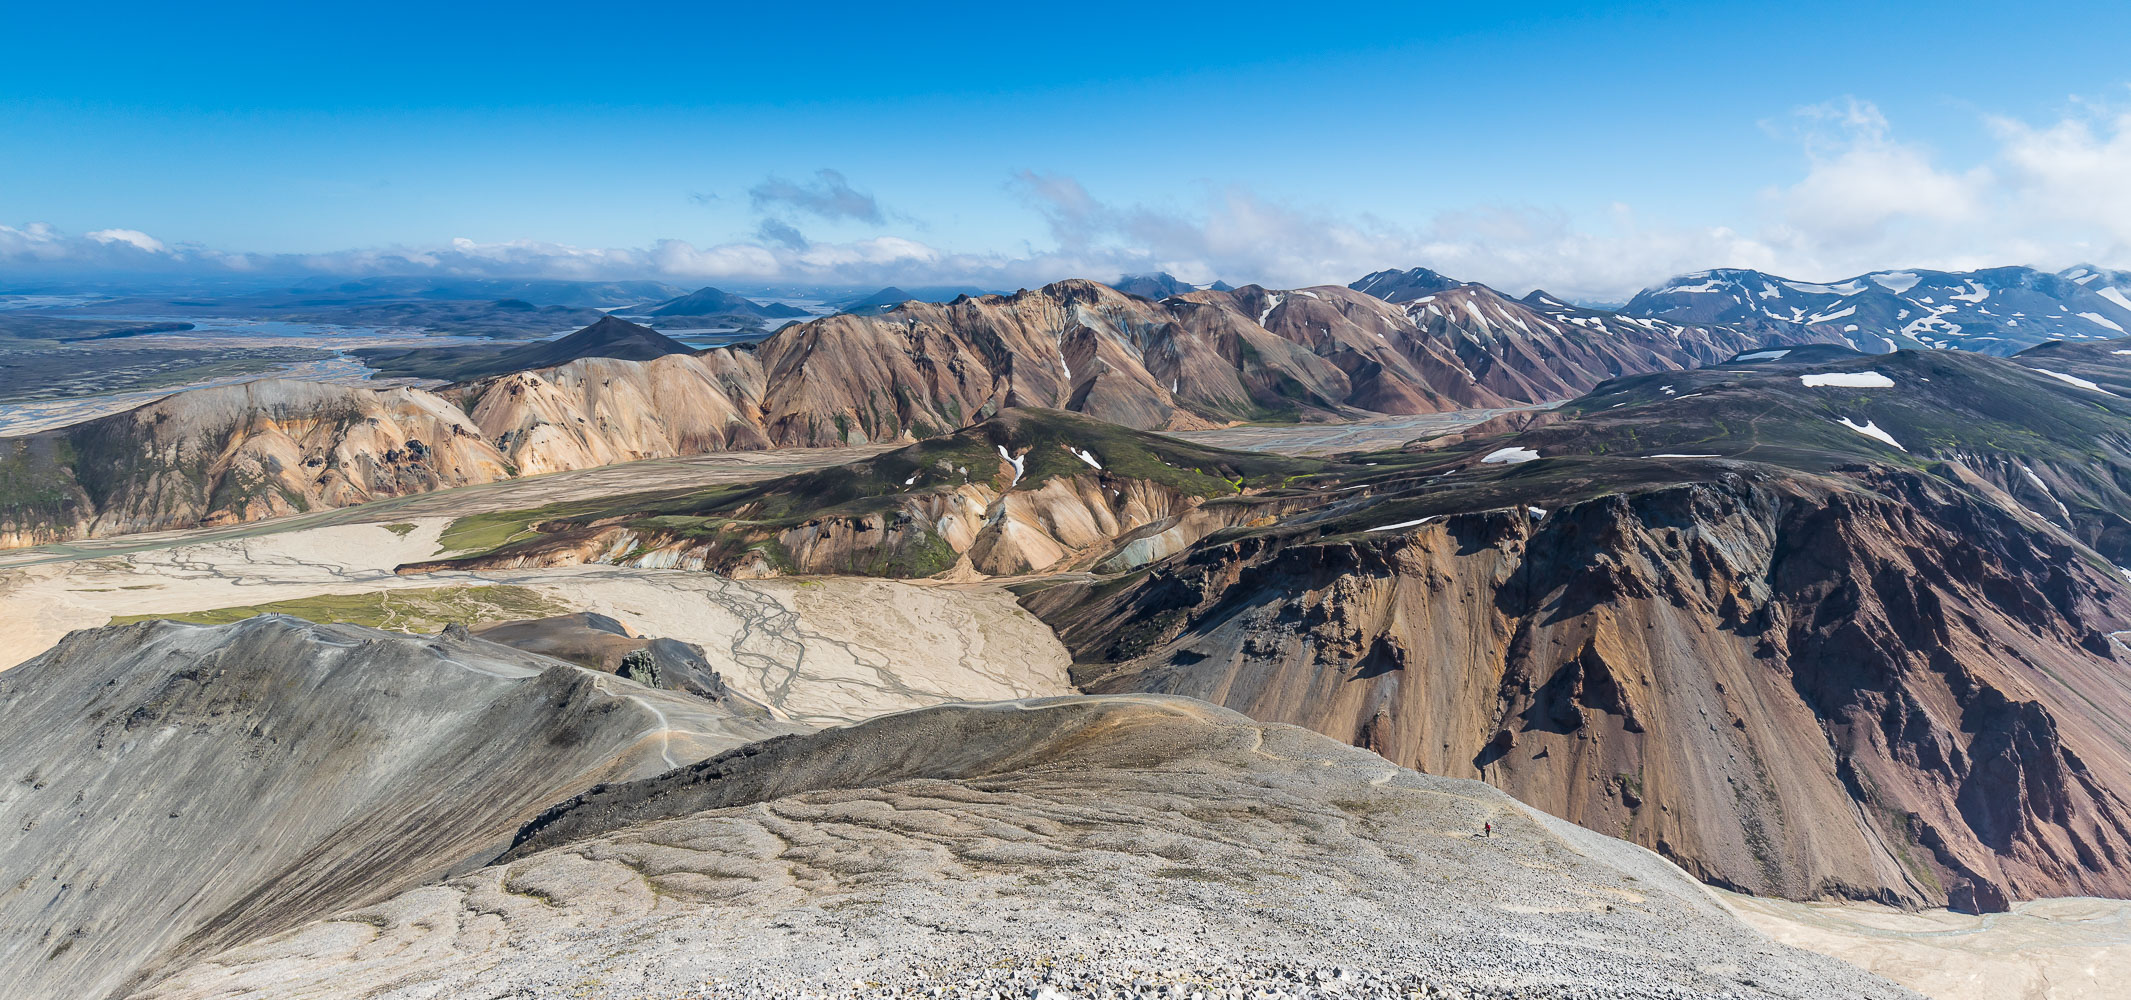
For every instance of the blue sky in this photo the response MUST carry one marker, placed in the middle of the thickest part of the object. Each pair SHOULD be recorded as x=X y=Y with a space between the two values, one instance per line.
x=1587 y=149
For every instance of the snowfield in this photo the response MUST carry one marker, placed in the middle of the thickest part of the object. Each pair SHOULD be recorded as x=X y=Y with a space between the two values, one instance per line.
x=1848 y=380
x=1871 y=430
x=2073 y=380
x=1509 y=456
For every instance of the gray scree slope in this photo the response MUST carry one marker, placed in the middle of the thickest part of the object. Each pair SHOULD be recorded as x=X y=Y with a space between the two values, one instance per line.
x=172 y=790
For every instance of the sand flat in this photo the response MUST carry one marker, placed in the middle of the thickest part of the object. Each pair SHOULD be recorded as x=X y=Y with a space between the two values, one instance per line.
x=820 y=651
x=2047 y=949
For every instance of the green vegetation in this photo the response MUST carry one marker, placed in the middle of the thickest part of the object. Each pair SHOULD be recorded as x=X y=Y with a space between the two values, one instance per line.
x=401 y=529
x=36 y=482
x=420 y=611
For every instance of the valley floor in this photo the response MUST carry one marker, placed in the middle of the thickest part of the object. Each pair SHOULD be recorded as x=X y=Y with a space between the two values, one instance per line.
x=509 y=494
x=2046 y=949
x=818 y=651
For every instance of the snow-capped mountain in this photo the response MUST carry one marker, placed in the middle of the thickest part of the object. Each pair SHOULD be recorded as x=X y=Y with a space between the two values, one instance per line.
x=2000 y=310
x=1161 y=285
x=1404 y=286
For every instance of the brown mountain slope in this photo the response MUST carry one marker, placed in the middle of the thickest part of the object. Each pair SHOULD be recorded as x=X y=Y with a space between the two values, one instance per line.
x=1785 y=689
x=1198 y=359
x=1705 y=614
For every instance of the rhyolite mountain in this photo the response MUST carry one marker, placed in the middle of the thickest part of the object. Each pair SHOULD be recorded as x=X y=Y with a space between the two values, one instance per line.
x=920 y=369
x=2000 y=310
x=608 y=337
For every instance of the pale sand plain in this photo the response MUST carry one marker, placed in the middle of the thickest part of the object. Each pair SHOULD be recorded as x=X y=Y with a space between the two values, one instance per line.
x=818 y=651
x=2046 y=949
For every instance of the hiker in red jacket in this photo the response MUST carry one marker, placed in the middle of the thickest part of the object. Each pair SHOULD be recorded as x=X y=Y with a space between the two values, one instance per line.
x=1489 y=829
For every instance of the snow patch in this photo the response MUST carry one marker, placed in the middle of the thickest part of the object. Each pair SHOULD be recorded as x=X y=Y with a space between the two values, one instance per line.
x=1404 y=524
x=1084 y=456
x=1871 y=430
x=1272 y=303
x=2116 y=296
x=1509 y=456
x=2101 y=320
x=1671 y=454
x=2073 y=380
x=1016 y=462
x=1897 y=281
x=1763 y=355
x=1848 y=380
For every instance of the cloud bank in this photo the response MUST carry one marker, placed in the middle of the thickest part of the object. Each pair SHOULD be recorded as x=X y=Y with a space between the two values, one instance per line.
x=2049 y=194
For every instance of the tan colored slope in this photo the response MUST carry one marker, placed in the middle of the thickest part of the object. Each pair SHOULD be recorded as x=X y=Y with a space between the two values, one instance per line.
x=1065 y=523
x=249 y=451
x=600 y=411
x=1072 y=846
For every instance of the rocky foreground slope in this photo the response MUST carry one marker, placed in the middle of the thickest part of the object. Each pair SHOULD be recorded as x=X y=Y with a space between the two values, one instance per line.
x=1049 y=848
x=174 y=790
x=914 y=371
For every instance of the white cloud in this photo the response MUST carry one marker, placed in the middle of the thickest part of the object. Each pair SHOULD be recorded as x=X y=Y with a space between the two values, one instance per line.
x=2076 y=171
x=1861 y=180
x=131 y=237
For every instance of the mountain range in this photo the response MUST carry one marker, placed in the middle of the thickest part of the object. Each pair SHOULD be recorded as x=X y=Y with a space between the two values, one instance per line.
x=2000 y=310
x=917 y=370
